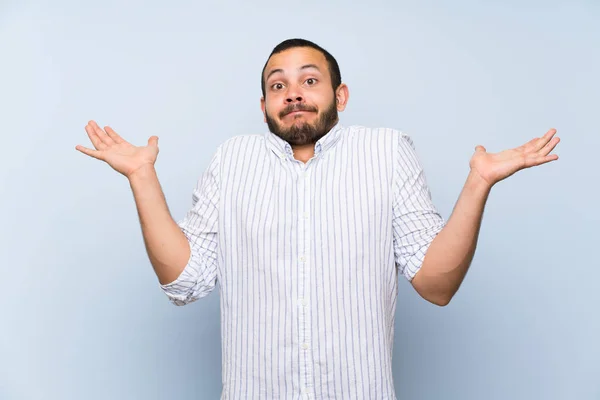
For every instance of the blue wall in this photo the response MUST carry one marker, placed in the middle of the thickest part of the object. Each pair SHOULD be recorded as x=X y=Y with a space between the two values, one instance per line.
x=81 y=311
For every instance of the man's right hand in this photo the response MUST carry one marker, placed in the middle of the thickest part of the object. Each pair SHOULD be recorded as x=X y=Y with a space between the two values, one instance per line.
x=121 y=155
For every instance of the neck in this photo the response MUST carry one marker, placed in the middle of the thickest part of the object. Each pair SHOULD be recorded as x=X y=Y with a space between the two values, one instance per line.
x=304 y=153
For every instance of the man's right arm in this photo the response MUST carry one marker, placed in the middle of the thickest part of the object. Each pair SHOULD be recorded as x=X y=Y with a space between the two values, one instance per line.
x=167 y=247
x=183 y=255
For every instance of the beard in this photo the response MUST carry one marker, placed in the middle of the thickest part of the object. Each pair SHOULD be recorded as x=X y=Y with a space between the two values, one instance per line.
x=304 y=133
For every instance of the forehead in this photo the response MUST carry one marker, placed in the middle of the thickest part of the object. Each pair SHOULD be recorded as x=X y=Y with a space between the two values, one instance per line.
x=294 y=59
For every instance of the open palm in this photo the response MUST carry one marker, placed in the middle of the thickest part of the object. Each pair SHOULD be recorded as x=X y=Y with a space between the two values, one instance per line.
x=121 y=155
x=494 y=167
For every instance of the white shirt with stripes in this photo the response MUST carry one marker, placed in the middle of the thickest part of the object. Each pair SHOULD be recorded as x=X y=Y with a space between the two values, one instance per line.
x=307 y=259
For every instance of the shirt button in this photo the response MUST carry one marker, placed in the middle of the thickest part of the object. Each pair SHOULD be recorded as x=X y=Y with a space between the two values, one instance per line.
x=305 y=346
x=302 y=259
x=303 y=302
x=306 y=214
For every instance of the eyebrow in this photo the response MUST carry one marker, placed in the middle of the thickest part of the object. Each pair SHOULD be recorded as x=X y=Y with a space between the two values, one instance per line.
x=306 y=66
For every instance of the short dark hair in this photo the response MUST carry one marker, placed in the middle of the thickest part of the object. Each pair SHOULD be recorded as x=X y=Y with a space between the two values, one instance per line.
x=334 y=68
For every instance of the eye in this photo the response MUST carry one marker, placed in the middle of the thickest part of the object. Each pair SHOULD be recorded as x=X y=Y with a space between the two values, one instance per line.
x=311 y=81
x=277 y=86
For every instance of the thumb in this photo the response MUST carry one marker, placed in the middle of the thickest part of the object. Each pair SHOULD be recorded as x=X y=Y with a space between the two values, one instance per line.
x=153 y=141
x=480 y=148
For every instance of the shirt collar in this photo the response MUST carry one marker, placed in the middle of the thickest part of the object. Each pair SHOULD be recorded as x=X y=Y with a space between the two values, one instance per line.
x=283 y=149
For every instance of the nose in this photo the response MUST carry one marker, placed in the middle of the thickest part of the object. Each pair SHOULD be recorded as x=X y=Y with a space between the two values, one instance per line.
x=294 y=95
x=291 y=99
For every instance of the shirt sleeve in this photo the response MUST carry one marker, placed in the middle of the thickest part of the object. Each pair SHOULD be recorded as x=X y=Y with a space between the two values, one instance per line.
x=200 y=226
x=416 y=221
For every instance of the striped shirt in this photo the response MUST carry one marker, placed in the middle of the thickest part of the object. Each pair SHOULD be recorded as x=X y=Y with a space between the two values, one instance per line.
x=307 y=259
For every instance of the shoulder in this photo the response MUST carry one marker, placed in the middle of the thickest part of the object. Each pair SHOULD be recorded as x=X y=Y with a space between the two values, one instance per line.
x=238 y=144
x=242 y=140
x=386 y=134
x=233 y=146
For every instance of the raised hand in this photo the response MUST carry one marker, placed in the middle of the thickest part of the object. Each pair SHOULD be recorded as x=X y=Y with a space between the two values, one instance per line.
x=494 y=167
x=121 y=155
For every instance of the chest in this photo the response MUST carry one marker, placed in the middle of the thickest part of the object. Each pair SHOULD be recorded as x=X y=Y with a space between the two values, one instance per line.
x=270 y=198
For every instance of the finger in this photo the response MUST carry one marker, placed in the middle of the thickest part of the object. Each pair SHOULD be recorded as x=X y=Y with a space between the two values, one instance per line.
x=543 y=141
x=153 y=141
x=98 y=144
x=101 y=134
x=549 y=146
x=92 y=153
x=539 y=160
x=480 y=148
x=113 y=135
x=551 y=132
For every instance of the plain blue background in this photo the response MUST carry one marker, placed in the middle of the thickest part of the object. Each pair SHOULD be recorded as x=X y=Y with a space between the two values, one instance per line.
x=81 y=311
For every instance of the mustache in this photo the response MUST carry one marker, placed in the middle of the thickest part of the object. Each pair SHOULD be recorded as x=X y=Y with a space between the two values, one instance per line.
x=296 y=107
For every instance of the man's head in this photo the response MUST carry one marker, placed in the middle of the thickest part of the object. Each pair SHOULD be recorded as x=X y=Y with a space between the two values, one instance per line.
x=302 y=92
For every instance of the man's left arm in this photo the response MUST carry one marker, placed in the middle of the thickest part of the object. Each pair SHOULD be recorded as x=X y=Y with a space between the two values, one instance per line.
x=451 y=252
x=449 y=255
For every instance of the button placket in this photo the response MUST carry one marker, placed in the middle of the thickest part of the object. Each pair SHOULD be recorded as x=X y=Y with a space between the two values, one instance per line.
x=306 y=372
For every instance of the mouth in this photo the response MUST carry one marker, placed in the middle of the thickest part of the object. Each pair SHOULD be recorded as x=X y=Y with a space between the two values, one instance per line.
x=296 y=112
x=292 y=111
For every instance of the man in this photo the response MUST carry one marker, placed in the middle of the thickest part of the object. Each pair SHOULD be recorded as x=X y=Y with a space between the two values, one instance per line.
x=306 y=229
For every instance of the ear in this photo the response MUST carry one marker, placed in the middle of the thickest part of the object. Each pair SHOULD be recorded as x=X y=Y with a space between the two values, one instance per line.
x=263 y=107
x=342 y=95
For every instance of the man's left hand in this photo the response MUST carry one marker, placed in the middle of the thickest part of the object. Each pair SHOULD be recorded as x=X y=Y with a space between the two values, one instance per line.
x=494 y=167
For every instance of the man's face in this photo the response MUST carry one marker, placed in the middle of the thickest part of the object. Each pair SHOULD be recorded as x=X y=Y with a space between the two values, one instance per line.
x=300 y=105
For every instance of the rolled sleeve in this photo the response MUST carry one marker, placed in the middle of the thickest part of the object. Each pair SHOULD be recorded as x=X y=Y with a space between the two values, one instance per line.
x=200 y=226
x=416 y=221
